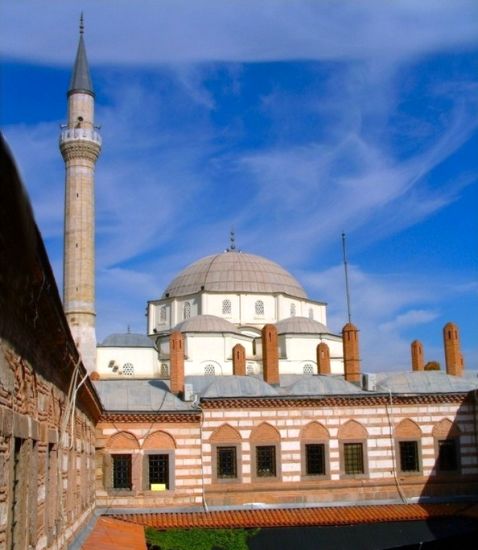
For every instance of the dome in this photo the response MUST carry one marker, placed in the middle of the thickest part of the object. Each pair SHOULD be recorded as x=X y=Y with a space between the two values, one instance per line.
x=206 y=323
x=127 y=340
x=300 y=325
x=234 y=271
x=322 y=385
x=424 y=382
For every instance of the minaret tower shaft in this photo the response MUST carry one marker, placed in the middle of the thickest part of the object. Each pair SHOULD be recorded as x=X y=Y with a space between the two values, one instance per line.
x=80 y=145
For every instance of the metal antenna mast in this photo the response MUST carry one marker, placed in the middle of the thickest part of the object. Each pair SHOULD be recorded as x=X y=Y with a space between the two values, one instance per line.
x=347 y=291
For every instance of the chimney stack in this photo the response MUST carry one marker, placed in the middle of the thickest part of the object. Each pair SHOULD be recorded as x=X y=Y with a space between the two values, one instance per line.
x=270 y=355
x=351 y=353
x=176 y=358
x=238 y=360
x=417 y=356
x=323 y=358
x=453 y=356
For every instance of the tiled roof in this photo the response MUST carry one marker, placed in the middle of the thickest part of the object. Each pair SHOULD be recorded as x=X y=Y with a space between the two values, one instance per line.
x=293 y=517
x=113 y=534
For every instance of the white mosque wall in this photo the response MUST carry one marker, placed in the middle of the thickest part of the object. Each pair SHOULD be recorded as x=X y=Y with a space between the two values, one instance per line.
x=122 y=362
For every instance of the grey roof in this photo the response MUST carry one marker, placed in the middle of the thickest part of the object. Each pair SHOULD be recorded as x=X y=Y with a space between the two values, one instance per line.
x=138 y=395
x=80 y=77
x=127 y=340
x=300 y=325
x=234 y=271
x=299 y=384
x=424 y=382
x=206 y=323
x=231 y=386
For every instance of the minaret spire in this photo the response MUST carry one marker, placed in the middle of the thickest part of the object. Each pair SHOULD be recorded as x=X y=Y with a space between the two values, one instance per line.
x=80 y=146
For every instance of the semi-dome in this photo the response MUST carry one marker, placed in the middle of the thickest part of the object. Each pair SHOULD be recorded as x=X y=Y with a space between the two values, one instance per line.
x=300 y=325
x=206 y=323
x=127 y=340
x=234 y=271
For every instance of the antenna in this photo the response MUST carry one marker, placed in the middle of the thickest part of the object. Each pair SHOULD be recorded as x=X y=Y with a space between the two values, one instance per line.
x=347 y=291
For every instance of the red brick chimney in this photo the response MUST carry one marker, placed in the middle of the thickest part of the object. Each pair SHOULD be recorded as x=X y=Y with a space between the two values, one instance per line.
x=453 y=356
x=351 y=353
x=417 y=356
x=323 y=358
x=239 y=360
x=270 y=355
x=176 y=358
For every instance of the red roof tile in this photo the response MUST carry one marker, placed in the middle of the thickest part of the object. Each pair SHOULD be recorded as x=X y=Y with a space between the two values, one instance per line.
x=346 y=515
x=113 y=534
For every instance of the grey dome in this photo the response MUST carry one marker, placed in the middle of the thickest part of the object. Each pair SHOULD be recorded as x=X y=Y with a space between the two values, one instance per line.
x=425 y=382
x=322 y=385
x=234 y=271
x=238 y=386
x=206 y=323
x=127 y=340
x=300 y=325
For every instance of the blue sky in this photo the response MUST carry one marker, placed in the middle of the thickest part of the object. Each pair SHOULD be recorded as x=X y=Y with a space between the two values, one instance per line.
x=291 y=122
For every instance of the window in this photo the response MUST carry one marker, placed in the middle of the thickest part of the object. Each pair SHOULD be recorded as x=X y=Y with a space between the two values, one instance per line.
x=164 y=372
x=447 y=455
x=308 y=368
x=409 y=456
x=353 y=458
x=226 y=462
x=259 y=308
x=162 y=314
x=226 y=307
x=209 y=370
x=159 y=469
x=266 y=461
x=187 y=310
x=250 y=369
x=122 y=471
x=292 y=310
x=311 y=314
x=128 y=369
x=315 y=459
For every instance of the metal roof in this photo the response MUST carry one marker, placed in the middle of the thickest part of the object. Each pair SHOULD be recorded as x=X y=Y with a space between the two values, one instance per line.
x=234 y=271
x=230 y=386
x=425 y=382
x=317 y=384
x=127 y=340
x=80 y=77
x=300 y=325
x=206 y=323
x=138 y=395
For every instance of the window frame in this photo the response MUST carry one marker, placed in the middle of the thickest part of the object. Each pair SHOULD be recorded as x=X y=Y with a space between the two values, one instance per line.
x=227 y=307
x=259 y=308
x=145 y=482
x=112 y=473
x=456 y=442
x=303 y=453
x=215 y=466
x=343 y=473
x=398 y=454
x=277 y=466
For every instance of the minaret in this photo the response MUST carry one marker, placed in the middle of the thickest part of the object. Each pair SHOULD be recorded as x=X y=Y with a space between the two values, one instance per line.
x=80 y=145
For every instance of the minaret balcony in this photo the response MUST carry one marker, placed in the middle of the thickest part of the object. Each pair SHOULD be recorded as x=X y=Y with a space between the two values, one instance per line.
x=80 y=134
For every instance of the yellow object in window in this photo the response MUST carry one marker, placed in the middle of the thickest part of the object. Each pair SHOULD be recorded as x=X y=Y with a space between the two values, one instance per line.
x=158 y=486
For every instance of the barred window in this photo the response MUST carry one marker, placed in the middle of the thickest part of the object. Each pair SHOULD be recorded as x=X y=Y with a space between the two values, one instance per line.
x=226 y=307
x=159 y=469
x=292 y=310
x=226 y=462
x=447 y=455
x=259 y=307
x=315 y=459
x=122 y=471
x=353 y=458
x=308 y=368
x=209 y=370
x=128 y=369
x=266 y=461
x=162 y=314
x=311 y=314
x=187 y=310
x=250 y=369
x=409 y=456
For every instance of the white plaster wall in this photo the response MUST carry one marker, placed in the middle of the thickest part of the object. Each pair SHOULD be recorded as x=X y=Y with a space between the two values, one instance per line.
x=144 y=360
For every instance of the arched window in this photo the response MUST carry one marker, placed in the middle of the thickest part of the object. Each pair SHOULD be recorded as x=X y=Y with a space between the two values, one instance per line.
x=162 y=314
x=311 y=314
x=292 y=310
x=164 y=373
x=226 y=307
x=187 y=310
x=259 y=307
x=128 y=369
x=308 y=368
x=209 y=370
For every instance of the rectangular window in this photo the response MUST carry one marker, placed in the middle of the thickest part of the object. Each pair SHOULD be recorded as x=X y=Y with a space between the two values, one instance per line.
x=409 y=456
x=353 y=458
x=159 y=469
x=226 y=462
x=122 y=471
x=315 y=459
x=447 y=455
x=266 y=461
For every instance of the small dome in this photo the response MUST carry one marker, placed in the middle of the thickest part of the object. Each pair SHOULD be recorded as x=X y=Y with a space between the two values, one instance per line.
x=322 y=385
x=234 y=271
x=206 y=323
x=425 y=382
x=300 y=325
x=127 y=340
x=238 y=386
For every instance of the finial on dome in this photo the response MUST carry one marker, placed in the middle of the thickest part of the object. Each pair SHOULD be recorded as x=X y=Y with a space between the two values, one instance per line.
x=82 y=26
x=129 y=329
x=232 y=240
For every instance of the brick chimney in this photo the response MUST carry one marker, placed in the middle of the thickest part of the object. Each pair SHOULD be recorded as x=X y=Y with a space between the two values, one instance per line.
x=323 y=358
x=270 y=355
x=351 y=353
x=453 y=356
x=176 y=358
x=417 y=356
x=239 y=360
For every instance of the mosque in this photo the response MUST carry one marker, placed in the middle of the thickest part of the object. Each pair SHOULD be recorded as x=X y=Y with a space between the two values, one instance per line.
x=238 y=399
